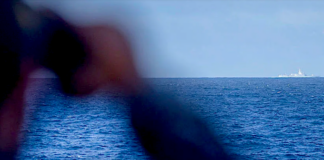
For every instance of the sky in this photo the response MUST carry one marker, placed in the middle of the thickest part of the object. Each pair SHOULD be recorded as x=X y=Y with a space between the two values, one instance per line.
x=211 y=38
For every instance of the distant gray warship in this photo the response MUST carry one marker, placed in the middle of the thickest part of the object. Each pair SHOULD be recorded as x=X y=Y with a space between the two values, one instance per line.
x=299 y=74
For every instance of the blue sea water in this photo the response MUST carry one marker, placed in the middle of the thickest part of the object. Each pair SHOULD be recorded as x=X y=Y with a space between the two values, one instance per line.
x=254 y=118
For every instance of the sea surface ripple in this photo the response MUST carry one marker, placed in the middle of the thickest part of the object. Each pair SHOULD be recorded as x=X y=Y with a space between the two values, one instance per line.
x=254 y=118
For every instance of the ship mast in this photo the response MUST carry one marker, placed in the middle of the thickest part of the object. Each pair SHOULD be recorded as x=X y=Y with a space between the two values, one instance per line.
x=299 y=72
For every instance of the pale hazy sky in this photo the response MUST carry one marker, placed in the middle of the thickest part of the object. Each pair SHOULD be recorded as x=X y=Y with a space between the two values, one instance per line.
x=206 y=38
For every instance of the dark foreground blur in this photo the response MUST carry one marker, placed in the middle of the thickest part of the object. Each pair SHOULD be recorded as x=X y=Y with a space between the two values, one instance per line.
x=84 y=60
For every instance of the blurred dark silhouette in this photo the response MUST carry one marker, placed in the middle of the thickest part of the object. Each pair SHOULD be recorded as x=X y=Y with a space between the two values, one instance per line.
x=84 y=59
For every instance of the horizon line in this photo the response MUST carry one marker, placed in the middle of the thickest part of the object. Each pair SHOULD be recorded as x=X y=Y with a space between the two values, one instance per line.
x=192 y=77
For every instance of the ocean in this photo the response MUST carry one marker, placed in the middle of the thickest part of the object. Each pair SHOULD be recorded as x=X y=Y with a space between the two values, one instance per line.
x=254 y=118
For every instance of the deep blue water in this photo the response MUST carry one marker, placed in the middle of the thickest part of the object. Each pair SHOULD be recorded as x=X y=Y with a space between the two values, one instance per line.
x=255 y=118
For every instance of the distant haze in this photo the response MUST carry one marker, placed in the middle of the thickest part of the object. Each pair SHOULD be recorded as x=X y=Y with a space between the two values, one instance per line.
x=246 y=38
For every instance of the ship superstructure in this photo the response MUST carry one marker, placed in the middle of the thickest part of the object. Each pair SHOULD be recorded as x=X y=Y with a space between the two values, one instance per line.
x=299 y=74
